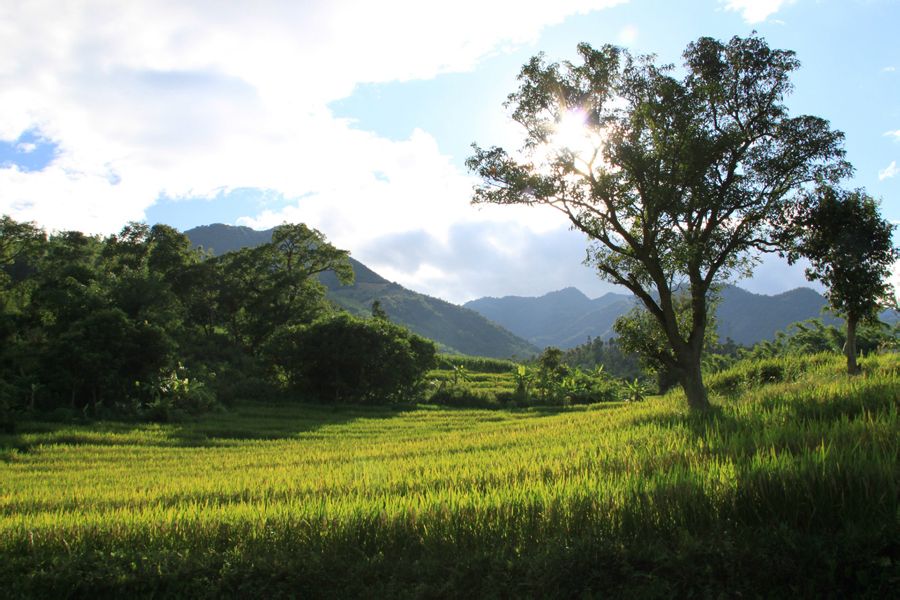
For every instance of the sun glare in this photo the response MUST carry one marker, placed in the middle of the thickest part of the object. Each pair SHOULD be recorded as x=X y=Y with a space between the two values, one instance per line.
x=572 y=134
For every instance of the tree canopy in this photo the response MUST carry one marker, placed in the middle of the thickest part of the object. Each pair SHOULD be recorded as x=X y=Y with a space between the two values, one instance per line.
x=849 y=247
x=141 y=321
x=677 y=177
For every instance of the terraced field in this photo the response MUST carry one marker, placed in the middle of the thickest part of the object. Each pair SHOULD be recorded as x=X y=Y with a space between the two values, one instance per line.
x=788 y=488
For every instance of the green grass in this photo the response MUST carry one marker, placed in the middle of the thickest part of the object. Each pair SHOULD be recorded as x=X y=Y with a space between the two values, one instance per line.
x=788 y=489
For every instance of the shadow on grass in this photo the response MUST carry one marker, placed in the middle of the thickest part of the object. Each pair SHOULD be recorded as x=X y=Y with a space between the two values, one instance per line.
x=717 y=420
x=240 y=423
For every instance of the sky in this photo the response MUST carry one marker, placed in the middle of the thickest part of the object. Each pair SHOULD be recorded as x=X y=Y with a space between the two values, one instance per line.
x=356 y=117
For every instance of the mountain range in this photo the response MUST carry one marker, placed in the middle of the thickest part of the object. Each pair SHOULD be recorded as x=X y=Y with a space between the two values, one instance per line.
x=520 y=326
x=567 y=318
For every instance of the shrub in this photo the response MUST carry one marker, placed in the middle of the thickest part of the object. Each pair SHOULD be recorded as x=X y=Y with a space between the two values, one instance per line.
x=175 y=393
x=345 y=359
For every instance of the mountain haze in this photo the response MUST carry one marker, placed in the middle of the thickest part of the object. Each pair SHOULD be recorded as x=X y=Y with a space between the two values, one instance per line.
x=454 y=328
x=566 y=318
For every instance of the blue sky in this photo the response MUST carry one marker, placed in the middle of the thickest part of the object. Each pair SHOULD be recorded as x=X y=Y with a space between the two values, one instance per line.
x=357 y=117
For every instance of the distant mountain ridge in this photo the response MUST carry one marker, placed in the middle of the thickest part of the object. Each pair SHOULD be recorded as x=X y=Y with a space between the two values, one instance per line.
x=564 y=318
x=567 y=318
x=454 y=328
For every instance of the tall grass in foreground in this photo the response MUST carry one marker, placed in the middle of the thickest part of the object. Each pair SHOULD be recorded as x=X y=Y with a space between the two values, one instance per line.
x=787 y=489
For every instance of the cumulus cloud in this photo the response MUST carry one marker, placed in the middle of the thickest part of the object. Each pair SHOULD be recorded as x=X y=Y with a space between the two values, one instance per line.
x=889 y=171
x=143 y=100
x=487 y=258
x=894 y=134
x=755 y=11
x=192 y=99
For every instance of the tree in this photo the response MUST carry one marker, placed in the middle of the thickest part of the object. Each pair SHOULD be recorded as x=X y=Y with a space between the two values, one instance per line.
x=551 y=371
x=677 y=181
x=850 y=251
x=345 y=359
x=378 y=311
x=640 y=333
x=275 y=284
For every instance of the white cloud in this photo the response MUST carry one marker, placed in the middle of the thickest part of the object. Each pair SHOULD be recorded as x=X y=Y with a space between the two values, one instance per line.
x=889 y=171
x=195 y=98
x=755 y=11
x=889 y=69
x=26 y=147
x=893 y=134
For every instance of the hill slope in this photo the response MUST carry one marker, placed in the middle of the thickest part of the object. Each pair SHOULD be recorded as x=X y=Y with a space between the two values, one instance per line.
x=455 y=328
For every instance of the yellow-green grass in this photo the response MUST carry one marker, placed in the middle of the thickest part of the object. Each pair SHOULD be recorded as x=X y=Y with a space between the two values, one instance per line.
x=790 y=488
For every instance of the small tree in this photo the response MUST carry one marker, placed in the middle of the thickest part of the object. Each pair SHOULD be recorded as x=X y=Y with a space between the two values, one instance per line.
x=676 y=181
x=850 y=251
x=550 y=375
x=378 y=311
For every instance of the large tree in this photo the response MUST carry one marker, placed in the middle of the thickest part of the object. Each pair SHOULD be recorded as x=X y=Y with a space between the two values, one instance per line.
x=850 y=250
x=677 y=177
x=276 y=284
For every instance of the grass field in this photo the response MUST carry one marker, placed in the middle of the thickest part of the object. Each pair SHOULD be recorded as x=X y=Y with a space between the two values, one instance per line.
x=787 y=489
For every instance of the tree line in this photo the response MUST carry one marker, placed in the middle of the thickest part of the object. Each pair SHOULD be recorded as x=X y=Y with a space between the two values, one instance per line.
x=141 y=322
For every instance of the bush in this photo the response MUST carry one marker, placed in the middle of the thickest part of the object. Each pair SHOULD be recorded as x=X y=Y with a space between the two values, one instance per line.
x=175 y=393
x=345 y=359
x=456 y=395
x=754 y=372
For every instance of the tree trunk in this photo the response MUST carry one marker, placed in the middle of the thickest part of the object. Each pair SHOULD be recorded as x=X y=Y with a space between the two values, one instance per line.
x=850 y=346
x=692 y=382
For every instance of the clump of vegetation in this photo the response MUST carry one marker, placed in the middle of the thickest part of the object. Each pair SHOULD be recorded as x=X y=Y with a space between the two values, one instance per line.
x=345 y=359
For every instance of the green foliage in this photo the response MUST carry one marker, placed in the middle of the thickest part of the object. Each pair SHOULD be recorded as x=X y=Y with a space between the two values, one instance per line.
x=641 y=334
x=675 y=180
x=607 y=354
x=344 y=359
x=849 y=247
x=814 y=336
x=263 y=288
x=850 y=250
x=524 y=380
x=550 y=375
x=635 y=390
x=89 y=323
x=175 y=393
x=480 y=364
x=750 y=373
x=788 y=490
x=462 y=396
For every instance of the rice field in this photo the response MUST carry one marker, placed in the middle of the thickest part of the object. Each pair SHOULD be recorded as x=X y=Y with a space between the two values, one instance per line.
x=789 y=488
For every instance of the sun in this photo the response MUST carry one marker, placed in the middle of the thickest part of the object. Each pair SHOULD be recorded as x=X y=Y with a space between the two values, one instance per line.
x=573 y=134
x=571 y=131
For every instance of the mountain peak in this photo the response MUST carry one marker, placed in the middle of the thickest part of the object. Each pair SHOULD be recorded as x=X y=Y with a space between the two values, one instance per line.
x=568 y=293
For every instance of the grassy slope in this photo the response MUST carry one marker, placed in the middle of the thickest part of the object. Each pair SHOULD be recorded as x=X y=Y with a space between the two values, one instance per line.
x=788 y=489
